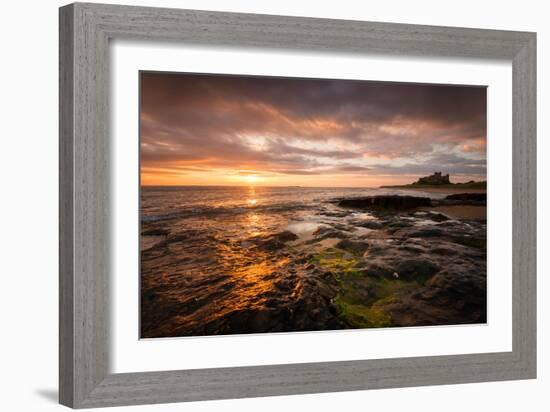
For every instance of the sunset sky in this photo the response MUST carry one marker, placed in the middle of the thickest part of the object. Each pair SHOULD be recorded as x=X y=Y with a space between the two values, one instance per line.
x=242 y=130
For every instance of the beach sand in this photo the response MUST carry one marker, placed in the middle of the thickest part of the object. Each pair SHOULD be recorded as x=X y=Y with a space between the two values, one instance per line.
x=461 y=212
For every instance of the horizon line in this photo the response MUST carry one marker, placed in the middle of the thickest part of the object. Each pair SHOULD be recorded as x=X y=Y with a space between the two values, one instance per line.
x=249 y=185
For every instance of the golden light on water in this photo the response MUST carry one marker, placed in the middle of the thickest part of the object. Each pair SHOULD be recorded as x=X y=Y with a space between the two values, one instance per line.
x=254 y=221
x=255 y=224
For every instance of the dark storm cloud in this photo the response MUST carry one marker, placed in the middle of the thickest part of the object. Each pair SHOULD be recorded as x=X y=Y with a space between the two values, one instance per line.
x=301 y=125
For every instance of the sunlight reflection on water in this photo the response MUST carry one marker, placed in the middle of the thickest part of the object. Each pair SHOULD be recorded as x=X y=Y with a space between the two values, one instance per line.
x=304 y=229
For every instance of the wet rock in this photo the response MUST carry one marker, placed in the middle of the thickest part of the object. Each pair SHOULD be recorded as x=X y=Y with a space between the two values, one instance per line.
x=462 y=199
x=362 y=293
x=327 y=290
x=334 y=213
x=173 y=239
x=460 y=283
x=245 y=244
x=472 y=241
x=285 y=236
x=446 y=249
x=416 y=269
x=385 y=202
x=300 y=259
x=327 y=275
x=455 y=295
x=475 y=197
x=437 y=217
x=343 y=227
x=379 y=270
x=251 y=321
x=378 y=247
x=353 y=246
x=326 y=232
x=183 y=236
x=284 y=284
x=413 y=248
x=399 y=224
x=277 y=241
x=428 y=231
x=372 y=224
x=156 y=232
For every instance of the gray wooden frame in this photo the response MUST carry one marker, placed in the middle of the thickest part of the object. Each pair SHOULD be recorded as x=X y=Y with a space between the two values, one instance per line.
x=85 y=31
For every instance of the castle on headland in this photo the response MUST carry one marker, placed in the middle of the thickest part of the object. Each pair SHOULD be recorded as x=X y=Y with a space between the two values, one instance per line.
x=436 y=179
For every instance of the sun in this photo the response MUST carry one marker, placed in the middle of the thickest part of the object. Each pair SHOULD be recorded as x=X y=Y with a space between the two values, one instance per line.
x=251 y=179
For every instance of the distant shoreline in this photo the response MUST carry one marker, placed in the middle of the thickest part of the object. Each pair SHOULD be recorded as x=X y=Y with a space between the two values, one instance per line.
x=259 y=186
x=472 y=187
x=438 y=189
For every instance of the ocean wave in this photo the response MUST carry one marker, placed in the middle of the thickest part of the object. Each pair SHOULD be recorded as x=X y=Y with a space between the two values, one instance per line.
x=204 y=210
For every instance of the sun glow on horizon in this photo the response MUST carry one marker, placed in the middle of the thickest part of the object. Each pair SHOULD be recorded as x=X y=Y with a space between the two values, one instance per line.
x=236 y=178
x=251 y=179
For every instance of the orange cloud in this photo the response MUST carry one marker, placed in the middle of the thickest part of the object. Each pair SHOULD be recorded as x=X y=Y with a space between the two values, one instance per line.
x=205 y=129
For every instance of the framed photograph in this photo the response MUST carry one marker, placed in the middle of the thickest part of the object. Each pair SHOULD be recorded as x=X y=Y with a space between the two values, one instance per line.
x=256 y=205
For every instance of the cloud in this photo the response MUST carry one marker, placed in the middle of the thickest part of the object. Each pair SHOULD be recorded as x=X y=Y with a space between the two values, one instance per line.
x=351 y=168
x=310 y=126
x=448 y=163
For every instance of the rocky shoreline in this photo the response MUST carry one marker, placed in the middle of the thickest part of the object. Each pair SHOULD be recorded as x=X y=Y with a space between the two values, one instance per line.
x=399 y=202
x=364 y=262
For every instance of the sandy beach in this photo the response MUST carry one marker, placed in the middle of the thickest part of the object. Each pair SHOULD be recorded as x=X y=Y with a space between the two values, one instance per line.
x=461 y=212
